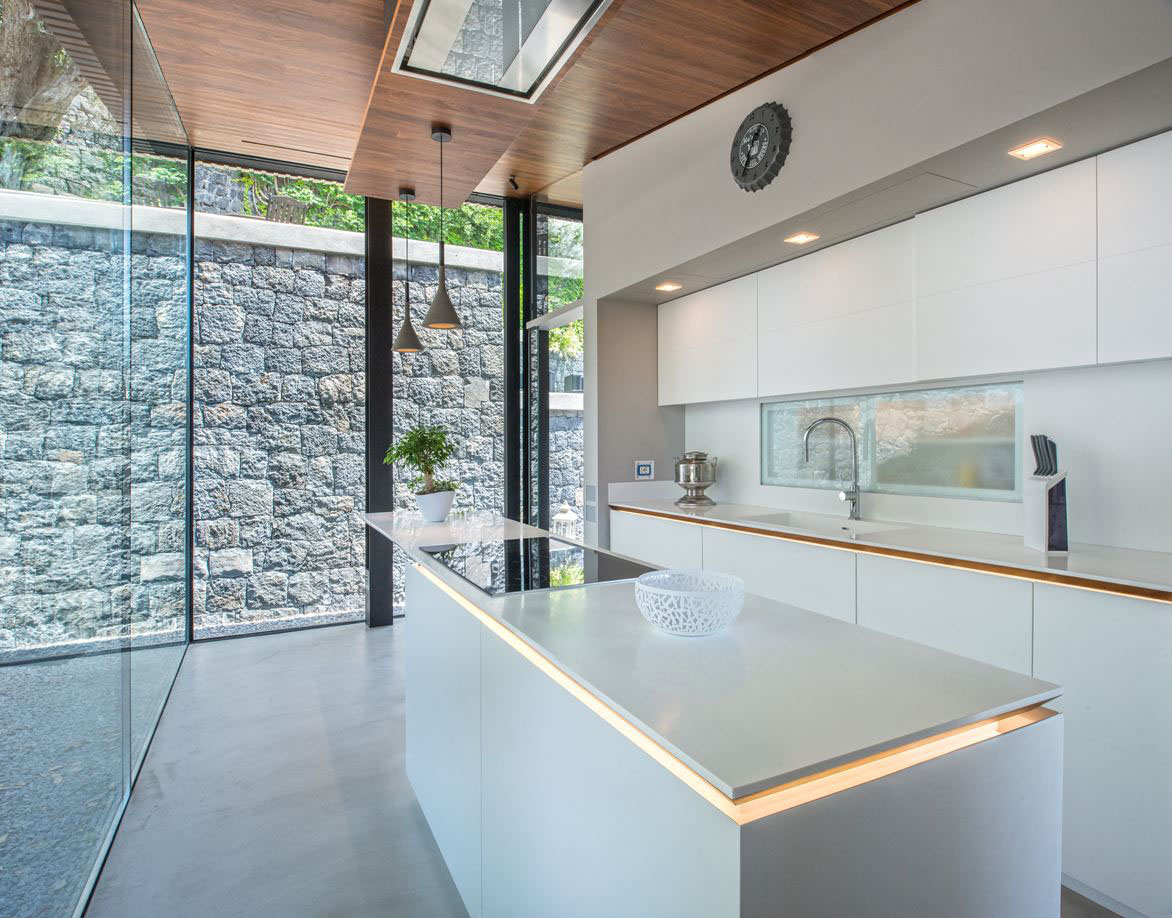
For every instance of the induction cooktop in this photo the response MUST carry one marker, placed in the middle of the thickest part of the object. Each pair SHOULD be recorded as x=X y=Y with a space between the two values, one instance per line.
x=536 y=563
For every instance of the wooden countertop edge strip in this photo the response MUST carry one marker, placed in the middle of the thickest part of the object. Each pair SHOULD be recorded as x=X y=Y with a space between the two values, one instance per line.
x=987 y=567
x=751 y=807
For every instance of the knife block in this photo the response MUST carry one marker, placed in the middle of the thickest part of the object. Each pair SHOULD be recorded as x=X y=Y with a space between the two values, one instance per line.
x=1044 y=506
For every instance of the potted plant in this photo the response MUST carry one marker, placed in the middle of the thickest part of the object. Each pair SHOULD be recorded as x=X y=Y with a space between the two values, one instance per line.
x=425 y=448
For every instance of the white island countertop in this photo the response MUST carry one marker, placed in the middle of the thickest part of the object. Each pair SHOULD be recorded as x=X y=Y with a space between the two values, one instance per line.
x=782 y=694
x=1147 y=574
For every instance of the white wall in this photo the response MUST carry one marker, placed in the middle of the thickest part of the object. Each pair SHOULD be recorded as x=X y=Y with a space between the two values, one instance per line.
x=622 y=386
x=914 y=85
x=1113 y=435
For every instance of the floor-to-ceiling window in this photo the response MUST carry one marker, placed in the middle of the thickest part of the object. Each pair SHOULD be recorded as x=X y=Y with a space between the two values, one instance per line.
x=93 y=433
x=279 y=400
x=555 y=373
x=458 y=380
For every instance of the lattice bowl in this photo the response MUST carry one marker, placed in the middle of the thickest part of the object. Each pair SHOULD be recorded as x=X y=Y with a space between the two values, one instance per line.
x=690 y=603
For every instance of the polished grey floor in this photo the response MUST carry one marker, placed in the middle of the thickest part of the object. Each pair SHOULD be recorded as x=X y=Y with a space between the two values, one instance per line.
x=275 y=787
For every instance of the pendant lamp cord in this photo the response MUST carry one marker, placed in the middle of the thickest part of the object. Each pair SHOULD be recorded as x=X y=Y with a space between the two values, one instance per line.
x=407 y=248
x=441 y=200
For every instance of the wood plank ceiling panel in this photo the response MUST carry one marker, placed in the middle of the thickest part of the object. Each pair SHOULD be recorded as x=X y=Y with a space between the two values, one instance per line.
x=283 y=79
x=395 y=148
x=655 y=60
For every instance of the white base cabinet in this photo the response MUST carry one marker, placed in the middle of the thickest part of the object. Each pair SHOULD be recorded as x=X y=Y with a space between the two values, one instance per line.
x=980 y=616
x=656 y=541
x=807 y=576
x=1113 y=657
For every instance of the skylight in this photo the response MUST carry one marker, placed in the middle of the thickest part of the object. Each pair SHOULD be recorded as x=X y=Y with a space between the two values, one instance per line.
x=506 y=47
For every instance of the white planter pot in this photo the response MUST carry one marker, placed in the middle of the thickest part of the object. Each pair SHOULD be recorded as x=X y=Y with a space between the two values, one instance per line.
x=435 y=507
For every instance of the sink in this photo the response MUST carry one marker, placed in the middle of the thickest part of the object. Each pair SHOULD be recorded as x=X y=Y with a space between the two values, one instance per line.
x=820 y=523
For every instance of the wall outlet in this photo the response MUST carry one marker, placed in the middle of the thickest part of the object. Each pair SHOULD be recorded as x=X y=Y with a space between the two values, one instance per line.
x=644 y=469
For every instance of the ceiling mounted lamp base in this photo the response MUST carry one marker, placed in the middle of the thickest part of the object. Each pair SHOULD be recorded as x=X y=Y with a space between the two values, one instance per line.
x=406 y=341
x=441 y=314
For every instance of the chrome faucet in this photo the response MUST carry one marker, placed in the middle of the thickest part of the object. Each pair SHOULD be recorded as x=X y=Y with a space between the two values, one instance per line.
x=853 y=494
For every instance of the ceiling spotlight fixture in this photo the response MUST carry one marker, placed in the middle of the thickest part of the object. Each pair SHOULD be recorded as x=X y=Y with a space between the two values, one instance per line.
x=407 y=342
x=441 y=313
x=668 y=287
x=802 y=238
x=1035 y=148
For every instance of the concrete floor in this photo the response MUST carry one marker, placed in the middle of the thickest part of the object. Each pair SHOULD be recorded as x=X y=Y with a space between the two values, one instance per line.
x=275 y=786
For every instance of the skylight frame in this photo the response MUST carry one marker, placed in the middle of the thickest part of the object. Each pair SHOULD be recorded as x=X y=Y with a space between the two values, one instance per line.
x=552 y=68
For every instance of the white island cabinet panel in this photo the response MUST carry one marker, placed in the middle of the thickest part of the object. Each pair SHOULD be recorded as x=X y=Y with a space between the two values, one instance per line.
x=839 y=318
x=656 y=541
x=1113 y=657
x=708 y=344
x=1135 y=251
x=1005 y=280
x=807 y=576
x=981 y=616
x=579 y=823
x=443 y=727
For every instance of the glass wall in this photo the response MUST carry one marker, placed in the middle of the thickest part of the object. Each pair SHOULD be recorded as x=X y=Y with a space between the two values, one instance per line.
x=93 y=434
x=556 y=376
x=279 y=402
x=457 y=381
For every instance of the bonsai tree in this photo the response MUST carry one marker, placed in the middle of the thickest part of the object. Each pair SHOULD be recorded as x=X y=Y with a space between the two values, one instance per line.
x=424 y=448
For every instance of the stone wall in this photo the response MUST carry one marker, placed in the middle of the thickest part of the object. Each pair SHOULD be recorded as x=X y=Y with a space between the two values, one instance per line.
x=91 y=483
x=91 y=480
x=279 y=437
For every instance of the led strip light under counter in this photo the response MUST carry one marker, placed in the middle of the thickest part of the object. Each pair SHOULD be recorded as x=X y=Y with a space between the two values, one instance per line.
x=772 y=800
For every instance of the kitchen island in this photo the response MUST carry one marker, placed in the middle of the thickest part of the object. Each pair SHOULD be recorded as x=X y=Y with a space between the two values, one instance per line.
x=573 y=761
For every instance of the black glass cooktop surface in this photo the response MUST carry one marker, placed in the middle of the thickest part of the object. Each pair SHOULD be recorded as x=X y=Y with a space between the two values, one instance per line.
x=536 y=563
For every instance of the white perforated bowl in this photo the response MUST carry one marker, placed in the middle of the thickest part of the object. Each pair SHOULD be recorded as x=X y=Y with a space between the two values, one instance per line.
x=690 y=603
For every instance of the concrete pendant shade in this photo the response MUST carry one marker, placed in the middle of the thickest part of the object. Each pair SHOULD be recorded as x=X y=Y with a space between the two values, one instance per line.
x=406 y=341
x=441 y=313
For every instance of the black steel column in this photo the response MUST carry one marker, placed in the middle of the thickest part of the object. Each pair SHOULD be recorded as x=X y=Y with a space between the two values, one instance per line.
x=514 y=380
x=380 y=336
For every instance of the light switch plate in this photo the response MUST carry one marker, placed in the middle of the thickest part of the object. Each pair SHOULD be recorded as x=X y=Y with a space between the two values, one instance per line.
x=644 y=469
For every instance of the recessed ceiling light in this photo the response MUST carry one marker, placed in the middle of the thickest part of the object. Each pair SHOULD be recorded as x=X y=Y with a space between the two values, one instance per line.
x=801 y=238
x=668 y=287
x=1035 y=148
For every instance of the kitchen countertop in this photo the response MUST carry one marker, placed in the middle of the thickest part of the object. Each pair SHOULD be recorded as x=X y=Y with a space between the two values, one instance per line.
x=782 y=694
x=1123 y=570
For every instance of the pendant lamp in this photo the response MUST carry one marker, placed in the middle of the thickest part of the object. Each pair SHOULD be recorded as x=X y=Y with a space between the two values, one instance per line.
x=441 y=313
x=407 y=342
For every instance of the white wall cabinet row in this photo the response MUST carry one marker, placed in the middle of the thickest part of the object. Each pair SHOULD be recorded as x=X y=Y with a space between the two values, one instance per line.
x=1067 y=268
x=1111 y=654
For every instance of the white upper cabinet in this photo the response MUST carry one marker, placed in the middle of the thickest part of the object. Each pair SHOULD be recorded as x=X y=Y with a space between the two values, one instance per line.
x=839 y=318
x=1005 y=280
x=1135 y=251
x=708 y=344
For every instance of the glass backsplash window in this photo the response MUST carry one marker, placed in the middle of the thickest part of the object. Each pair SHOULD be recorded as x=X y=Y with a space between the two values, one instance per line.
x=955 y=442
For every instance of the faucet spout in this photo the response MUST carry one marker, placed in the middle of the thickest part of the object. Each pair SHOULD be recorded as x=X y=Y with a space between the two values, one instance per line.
x=852 y=496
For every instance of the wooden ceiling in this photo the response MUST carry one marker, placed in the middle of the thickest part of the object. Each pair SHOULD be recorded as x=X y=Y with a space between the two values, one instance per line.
x=282 y=79
x=311 y=81
x=655 y=60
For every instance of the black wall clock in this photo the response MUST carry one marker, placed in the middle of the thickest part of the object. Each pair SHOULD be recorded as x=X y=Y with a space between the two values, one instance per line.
x=760 y=146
